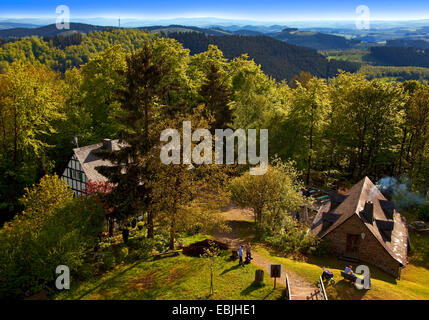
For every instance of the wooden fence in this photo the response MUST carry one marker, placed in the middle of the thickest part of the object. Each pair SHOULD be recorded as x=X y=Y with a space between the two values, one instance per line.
x=322 y=288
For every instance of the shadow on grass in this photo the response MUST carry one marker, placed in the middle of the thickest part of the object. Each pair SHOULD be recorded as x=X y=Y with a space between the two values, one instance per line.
x=253 y=286
x=230 y=269
x=112 y=279
x=245 y=229
x=347 y=291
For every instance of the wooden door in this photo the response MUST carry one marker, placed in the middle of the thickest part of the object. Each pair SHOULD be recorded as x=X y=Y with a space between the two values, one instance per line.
x=352 y=245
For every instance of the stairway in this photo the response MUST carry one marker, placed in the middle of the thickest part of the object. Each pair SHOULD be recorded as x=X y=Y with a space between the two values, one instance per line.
x=302 y=290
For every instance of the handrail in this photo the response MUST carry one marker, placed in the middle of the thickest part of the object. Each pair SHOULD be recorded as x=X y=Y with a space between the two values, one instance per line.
x=289 y=297
x=322 y=288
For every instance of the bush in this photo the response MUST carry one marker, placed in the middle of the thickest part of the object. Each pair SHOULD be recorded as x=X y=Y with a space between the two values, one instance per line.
x=122 y=254
x=86 y=271
x=108 y=261
x=292 y=238
x=423 y=212
x=140 y=225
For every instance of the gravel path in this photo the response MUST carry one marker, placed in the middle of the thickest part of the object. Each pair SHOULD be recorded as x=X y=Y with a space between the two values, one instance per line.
x=300 y=288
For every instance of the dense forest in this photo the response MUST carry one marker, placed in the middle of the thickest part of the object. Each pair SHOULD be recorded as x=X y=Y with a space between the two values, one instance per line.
x=341 y=129
x=395 y=73
x=278 y=59
x=406 y=43
x=47 y=31
x=401 y=56
x=315 y=40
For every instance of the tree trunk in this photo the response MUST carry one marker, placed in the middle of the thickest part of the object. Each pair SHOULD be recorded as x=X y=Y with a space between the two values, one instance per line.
x=111 y=224
x=150 y=228
x=401 y=153
x=310 y=151
x=172 y=233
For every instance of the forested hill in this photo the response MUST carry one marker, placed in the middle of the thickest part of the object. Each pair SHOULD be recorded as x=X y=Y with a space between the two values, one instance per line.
x=48 y=31
x=280 y=60
x=396 y=56
x=315 y=40
x=277 y=58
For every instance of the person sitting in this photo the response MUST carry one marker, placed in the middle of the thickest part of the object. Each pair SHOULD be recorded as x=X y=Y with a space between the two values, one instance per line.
x=349 y=270
x=327 y=275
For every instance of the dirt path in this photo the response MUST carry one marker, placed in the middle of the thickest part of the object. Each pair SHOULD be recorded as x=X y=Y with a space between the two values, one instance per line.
x=300 y=288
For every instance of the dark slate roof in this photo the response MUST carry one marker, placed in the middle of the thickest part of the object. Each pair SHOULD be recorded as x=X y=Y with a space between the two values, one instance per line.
x=387 y=226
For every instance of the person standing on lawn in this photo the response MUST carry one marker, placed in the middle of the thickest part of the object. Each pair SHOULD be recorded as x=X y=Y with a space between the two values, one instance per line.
x=248 y=251
x=240 y=256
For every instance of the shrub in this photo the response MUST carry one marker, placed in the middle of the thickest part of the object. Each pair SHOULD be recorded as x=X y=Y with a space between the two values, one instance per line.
x=292 y=238
x=122 y=254
x=108 y=261
x=86 y=271
x=140 y=225
x=423 y=212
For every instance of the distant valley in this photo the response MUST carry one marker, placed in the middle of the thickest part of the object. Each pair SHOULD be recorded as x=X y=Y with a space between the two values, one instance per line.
x=281 y=51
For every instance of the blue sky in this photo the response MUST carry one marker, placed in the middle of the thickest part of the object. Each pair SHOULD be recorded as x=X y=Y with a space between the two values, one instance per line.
x=262 y=10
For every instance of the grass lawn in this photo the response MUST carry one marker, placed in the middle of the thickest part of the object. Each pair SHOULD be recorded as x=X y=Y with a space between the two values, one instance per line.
x=414 y=282
x=179 y=277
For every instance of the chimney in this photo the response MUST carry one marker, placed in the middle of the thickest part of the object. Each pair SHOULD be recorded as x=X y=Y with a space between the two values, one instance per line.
x=107 y=144
x=369 y=211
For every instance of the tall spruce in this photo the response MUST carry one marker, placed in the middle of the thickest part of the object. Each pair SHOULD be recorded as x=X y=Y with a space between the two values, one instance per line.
x=216 y=96
x=142 y=100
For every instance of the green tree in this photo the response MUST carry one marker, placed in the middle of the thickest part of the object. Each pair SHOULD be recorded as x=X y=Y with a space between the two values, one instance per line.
x=366 y=124
x=307 y=118
x=29 y=107
x=54 y=229
x=271 y=195
x=216 y=96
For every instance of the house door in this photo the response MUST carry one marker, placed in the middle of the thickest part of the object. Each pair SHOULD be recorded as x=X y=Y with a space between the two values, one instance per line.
x=352 y=245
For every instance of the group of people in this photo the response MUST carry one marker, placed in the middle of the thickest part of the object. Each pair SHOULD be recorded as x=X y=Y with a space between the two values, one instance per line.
x=328 y=275
x=248 y=249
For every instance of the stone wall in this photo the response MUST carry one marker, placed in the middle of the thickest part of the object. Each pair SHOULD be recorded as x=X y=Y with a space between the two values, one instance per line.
x=370 y=249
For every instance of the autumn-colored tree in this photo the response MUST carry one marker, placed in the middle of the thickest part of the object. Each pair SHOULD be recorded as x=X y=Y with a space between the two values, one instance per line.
x=99 y=191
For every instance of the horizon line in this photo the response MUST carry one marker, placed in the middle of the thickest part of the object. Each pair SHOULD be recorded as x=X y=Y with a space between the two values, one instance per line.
x=123 y=18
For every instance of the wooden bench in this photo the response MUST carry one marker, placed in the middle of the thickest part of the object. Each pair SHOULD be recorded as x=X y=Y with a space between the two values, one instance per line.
x=348 y=277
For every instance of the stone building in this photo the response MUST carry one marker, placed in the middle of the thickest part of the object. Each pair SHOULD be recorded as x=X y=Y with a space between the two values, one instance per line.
x=363 y=226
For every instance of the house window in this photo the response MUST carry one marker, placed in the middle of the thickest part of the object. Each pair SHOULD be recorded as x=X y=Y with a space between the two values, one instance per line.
x=76 y=175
